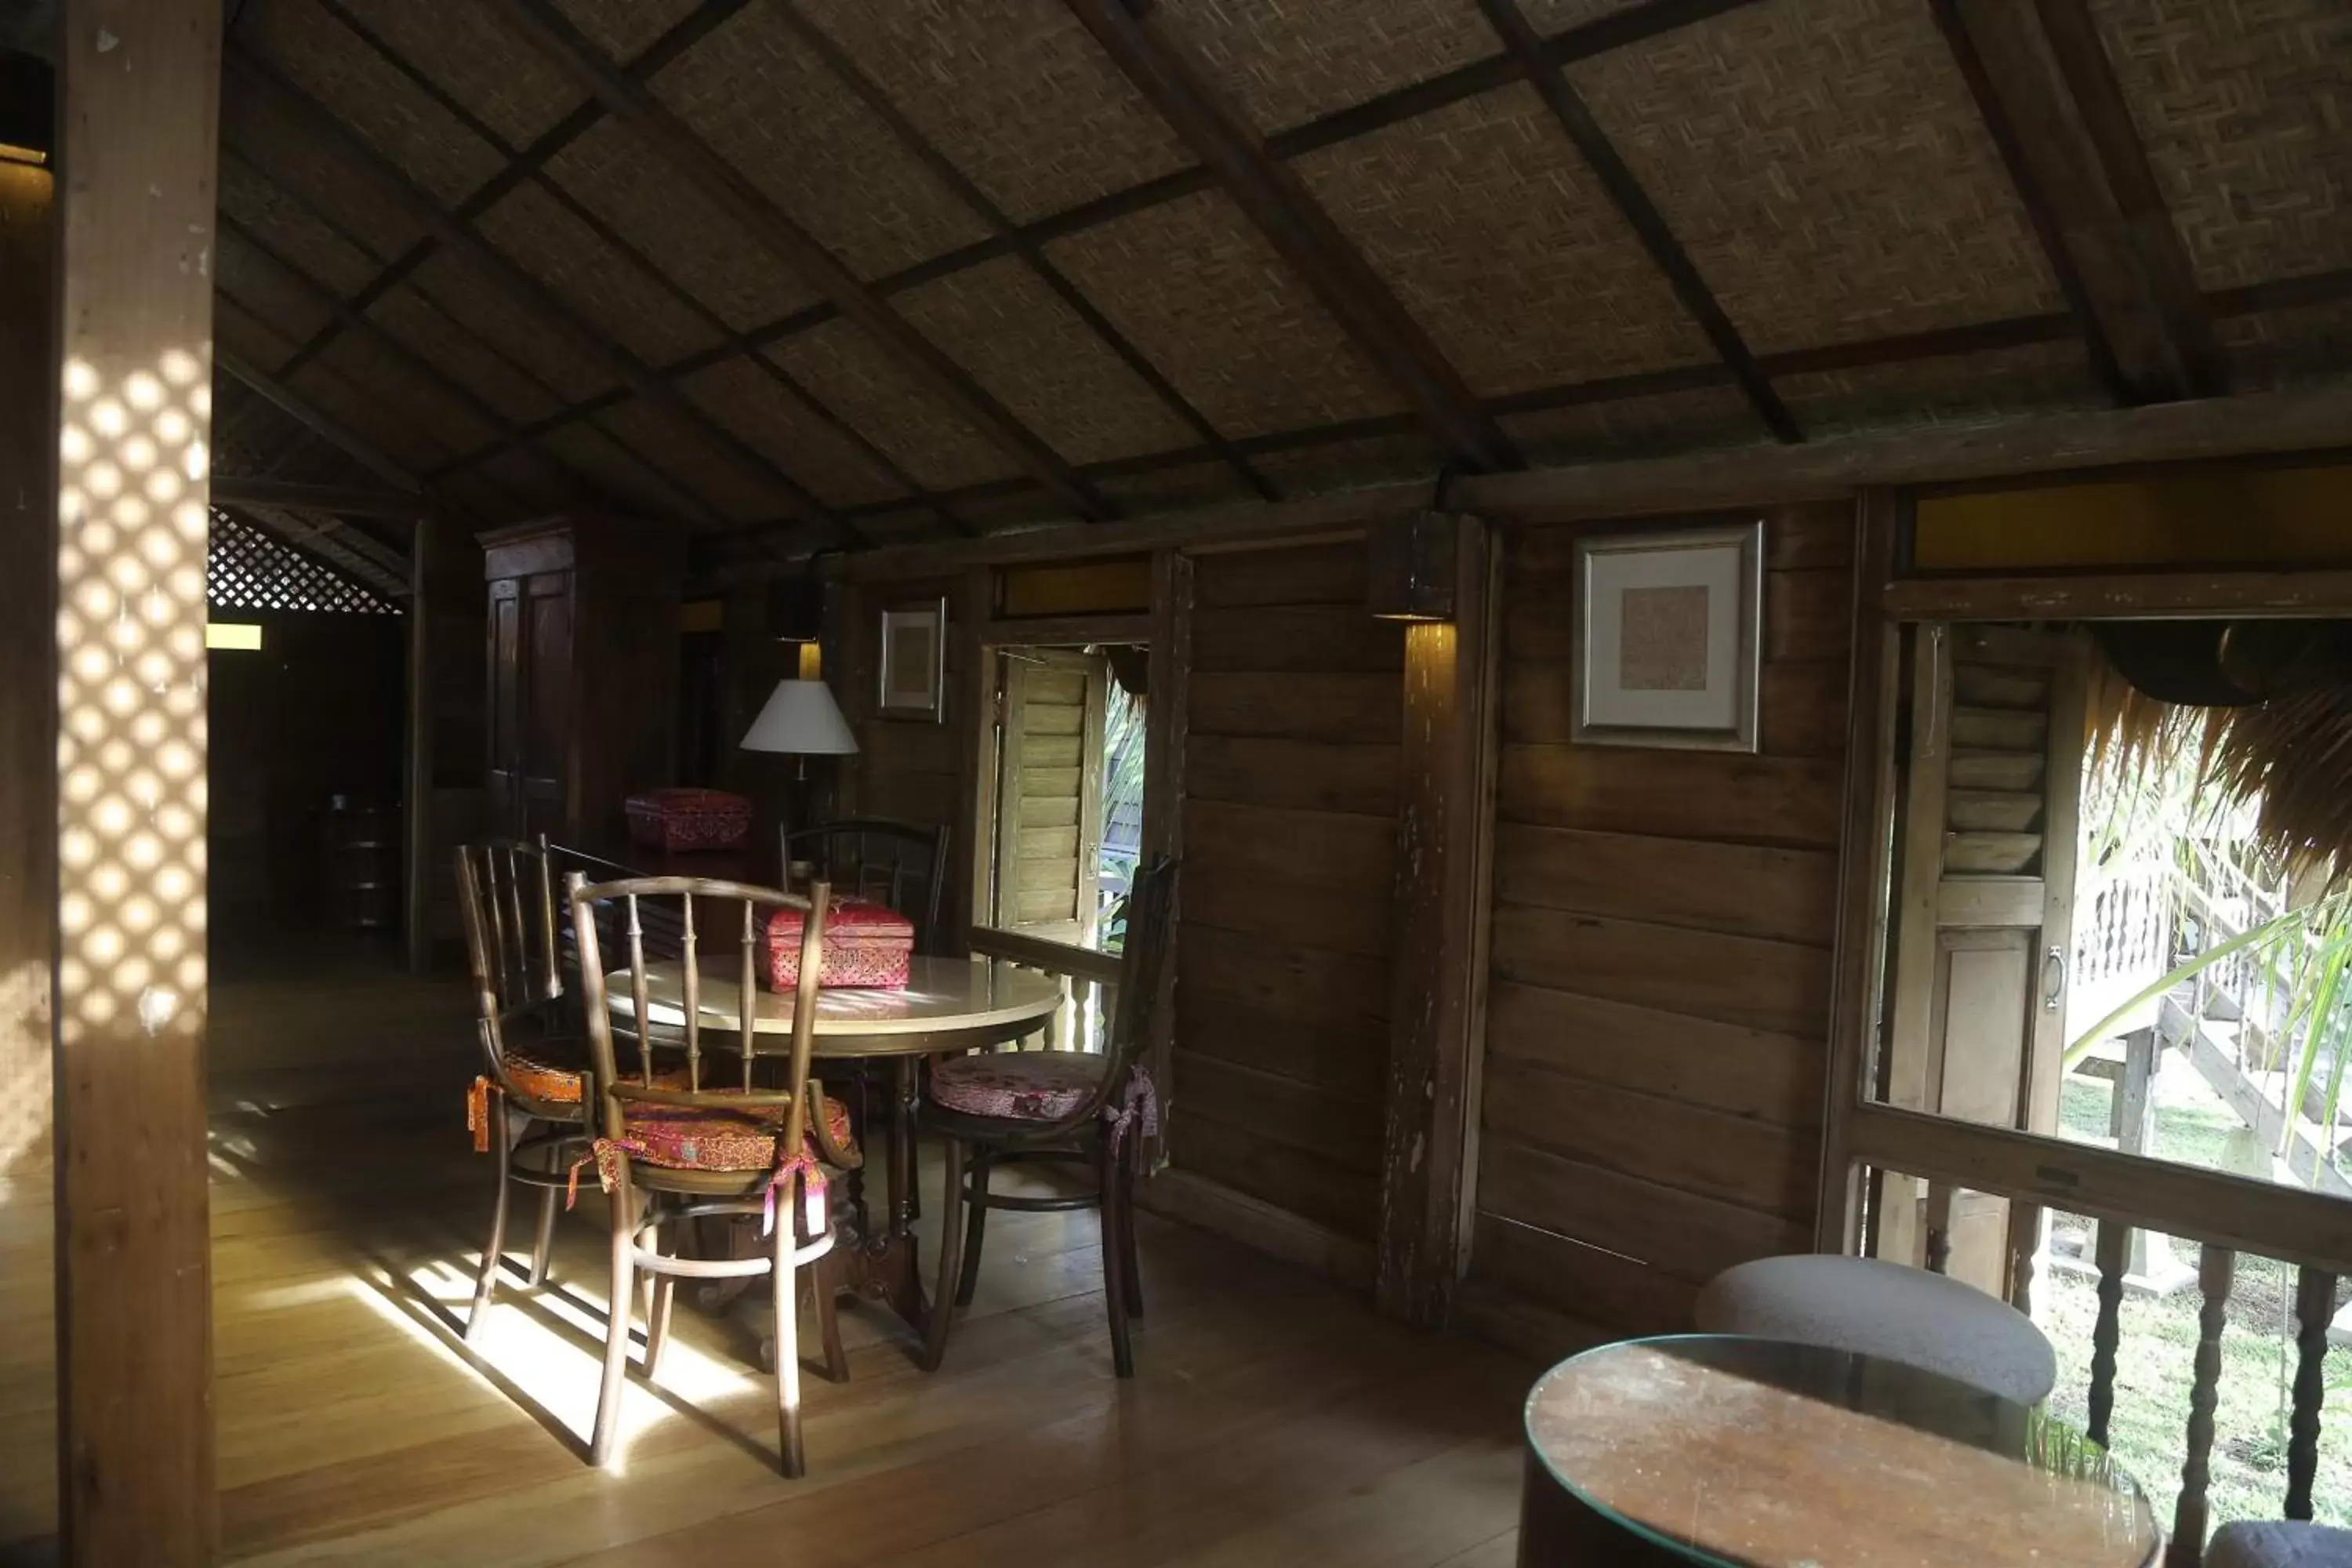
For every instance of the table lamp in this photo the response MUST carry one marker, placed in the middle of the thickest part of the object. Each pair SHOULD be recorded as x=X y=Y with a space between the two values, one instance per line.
x=800 y=719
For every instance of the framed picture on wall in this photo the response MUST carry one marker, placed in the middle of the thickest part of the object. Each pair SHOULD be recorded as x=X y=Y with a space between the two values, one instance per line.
x=915 y=661
x=1672 y=626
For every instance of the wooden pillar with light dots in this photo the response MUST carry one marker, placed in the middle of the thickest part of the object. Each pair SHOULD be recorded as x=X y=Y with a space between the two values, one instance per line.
x=139 y=85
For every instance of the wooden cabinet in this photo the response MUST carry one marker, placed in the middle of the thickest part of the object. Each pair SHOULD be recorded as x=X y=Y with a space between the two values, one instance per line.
x=584 y=648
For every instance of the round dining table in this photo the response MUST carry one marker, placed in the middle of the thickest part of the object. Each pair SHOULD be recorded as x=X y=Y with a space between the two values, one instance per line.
x=947 y=1005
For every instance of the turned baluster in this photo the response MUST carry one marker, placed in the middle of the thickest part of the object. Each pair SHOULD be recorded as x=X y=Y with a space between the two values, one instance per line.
x=2314 y=1301
x=1939 y=1227
x=2216 y=1269
x=2114 y=1253
x=2024 y=1246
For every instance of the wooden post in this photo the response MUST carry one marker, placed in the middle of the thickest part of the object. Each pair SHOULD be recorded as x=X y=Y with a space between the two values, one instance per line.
x=28 y=450
x=1168 y=682
x=1438 y=992
x=418 y=873
x=139 y=105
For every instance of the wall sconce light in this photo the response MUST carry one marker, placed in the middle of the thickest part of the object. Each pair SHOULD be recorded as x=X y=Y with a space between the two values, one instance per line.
x=1412 y=567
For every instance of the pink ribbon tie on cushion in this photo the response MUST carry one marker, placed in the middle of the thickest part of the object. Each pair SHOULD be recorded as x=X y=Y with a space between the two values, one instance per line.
x=1140 y=1103
x=804 y=1164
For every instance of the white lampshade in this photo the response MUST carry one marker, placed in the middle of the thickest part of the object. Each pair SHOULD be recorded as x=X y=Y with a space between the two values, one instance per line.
x=800 y=717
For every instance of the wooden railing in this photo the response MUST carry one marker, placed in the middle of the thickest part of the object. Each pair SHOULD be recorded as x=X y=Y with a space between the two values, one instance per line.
x=2225 y=1215
x=1089 y=985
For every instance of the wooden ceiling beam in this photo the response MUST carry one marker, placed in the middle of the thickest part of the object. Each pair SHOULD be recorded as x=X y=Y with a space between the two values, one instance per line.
x=869 y=92
x=697 y=26
x=2050 y=103
x=1645 y=19
x=457 y=235
x=343 y=501
x=627 y=248
x=628 y=102
x=324 y=298
x=357 y=447
x=1277 y=202
x=524 y=436
x=1641 y=215
x=2048 y=233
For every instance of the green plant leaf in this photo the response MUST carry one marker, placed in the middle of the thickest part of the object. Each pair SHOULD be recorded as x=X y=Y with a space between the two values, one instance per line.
x=2081 y=1045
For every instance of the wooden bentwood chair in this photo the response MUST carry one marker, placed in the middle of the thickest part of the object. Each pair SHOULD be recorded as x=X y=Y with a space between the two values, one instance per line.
x=1027 y=1107
x=693 y=1151
x=530 y=1105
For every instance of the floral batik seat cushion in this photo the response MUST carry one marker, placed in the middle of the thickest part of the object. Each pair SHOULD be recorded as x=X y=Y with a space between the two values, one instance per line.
x=706 y=1138
x=1017 y=1086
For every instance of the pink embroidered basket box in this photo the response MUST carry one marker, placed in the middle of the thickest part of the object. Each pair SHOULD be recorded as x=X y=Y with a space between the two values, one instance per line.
x=676 y=819
x=865 y=943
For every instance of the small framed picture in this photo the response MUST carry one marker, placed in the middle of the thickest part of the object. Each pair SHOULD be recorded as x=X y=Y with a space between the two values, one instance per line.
x=1671 y=634
x=915 y=661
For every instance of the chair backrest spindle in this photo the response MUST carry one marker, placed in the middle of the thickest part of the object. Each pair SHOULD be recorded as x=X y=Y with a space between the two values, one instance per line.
x=690 y=975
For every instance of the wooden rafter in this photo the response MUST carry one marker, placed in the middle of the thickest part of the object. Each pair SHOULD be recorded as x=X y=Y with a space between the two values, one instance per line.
x=2047 y=230
x=2050 y=101
x=457 y=237
x=697 y=26
x=361 y=451
x=324 y=298
x=2154 y=241
x=869 y=92
x=628 y=102
x=347 y=501
x=524 y=436
x=1278 y=203
x=1639 y=213
x=1643 y=19
x=629 y=251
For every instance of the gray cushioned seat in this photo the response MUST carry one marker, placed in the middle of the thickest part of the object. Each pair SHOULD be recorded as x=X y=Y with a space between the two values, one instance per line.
x=1884 y=1309
x=2277 y=1543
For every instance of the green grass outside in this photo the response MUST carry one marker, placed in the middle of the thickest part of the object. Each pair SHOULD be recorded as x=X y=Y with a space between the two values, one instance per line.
x=2148 y=1432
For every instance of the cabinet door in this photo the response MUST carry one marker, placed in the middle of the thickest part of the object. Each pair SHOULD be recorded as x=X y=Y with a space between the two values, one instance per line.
x=547 y=727
x=504 y=781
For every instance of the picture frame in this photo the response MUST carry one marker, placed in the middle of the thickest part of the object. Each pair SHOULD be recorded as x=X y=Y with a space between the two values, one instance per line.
x=1670 y=637
x=913 y=662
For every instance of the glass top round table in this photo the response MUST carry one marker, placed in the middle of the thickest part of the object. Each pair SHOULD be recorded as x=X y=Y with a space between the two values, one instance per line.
x=1759 y=1454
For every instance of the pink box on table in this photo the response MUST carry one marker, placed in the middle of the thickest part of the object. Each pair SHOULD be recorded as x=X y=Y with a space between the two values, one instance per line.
x=865 y=943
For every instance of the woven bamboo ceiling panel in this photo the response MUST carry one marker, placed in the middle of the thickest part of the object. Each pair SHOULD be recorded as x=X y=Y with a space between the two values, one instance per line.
x=1823 y=163
x=513 y=87
x=1013 y=91
x=329 y=62
x=754 y=404
x=480 y=306
x=627 y=28
x=624 y=302
x=1204 y=296
x=1498 y=237
x=831 y=163
x=1818 y=173
x=856 y=377
x=1001 y=322
x=611 y=172
x=2246 y=112
x=719 y=478
x=407 y=315
x=251 y=198
x=1286 y=61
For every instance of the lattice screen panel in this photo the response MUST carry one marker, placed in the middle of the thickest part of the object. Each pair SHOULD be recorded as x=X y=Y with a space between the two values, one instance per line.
x=249 y=570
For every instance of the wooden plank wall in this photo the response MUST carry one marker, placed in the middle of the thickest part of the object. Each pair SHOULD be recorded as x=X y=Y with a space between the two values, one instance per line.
x=905 y=768
x=1663 y=920
x=1290 y=807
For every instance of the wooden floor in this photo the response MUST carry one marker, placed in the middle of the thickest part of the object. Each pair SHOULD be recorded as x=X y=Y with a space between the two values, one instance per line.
x=1273 y=1418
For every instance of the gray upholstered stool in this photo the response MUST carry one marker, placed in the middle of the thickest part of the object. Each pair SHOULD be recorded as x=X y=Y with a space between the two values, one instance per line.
x=1884 y=1309
x=2278 y=1543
